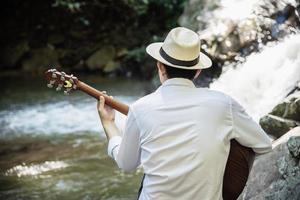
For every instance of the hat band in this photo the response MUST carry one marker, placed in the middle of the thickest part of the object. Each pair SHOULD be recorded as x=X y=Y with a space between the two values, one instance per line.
x=175 y=61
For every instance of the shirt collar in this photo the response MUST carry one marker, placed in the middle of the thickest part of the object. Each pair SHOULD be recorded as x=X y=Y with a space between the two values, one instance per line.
x=179 y=82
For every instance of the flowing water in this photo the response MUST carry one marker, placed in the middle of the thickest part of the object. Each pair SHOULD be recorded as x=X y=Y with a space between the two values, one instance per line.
x=265 y=78
x=53 y=147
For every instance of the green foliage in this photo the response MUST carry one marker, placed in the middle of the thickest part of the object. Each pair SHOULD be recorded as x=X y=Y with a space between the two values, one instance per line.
x=138 y=54
x=71 y=5
x=169 y=6
x=78 y=28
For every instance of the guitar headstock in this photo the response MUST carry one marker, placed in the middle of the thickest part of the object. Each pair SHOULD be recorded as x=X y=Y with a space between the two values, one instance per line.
x=61 y=80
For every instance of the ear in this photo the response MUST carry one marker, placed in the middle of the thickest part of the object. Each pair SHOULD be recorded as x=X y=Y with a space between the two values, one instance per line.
x=197 y=73
x=161 y=67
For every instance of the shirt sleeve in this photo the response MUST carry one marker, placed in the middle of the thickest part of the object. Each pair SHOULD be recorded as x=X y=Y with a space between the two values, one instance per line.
x=126 y=150
x=247 y=132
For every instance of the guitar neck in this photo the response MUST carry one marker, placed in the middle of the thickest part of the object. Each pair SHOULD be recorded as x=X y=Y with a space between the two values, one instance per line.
x=121 y=107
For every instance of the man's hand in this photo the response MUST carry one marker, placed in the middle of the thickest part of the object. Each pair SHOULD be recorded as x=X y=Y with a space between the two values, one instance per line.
x=107 y=117
x=106 y=113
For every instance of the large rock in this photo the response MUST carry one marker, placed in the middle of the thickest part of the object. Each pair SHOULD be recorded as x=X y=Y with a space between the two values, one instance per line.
x=276 y=175
x=283 y=117
x=289 y=108
x=41 y=59
x=101 y=58
x=277 y=126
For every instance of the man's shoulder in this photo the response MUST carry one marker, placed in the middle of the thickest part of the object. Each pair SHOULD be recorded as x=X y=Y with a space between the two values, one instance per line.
x=217 y=95
x=145 y=100
x=209 y=94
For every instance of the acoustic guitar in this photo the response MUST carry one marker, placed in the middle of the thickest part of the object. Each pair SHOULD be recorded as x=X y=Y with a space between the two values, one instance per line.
x=240 y=158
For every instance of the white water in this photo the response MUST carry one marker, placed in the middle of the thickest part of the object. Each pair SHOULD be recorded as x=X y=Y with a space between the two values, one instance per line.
x=265 y=78
x=60 y=117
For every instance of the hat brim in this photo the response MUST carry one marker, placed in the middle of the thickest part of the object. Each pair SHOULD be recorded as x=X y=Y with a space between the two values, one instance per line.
x=153 y=50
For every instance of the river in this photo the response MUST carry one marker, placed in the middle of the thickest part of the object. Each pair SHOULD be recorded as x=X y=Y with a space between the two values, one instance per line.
x=52 y=146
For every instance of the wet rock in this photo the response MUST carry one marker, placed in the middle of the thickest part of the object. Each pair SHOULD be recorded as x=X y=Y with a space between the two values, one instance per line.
x=101 y=58
x=277 y=126
x=292 y=110
x=12 y=54
x=276 y=175
x=289 y=108
x=279 y=110
x=41 y=59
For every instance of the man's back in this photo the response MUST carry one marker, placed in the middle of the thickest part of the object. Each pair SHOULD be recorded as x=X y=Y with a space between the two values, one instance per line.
x=184 y=141
x=184 y=134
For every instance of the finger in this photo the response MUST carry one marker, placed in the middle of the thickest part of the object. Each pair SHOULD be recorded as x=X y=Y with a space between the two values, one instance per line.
x=104 y=92
x=111 y=97
x=101 y=103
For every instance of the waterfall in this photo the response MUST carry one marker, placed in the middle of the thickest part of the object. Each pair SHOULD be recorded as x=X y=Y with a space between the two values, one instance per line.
x=265 y=78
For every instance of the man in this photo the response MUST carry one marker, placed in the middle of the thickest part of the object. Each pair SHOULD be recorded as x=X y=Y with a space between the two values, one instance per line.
x=180 y=135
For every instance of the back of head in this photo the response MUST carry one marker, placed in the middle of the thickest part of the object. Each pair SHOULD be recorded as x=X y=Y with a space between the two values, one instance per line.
x=173 y=72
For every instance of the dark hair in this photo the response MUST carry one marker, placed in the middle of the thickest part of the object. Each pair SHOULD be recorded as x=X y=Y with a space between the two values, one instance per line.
x=173 y=72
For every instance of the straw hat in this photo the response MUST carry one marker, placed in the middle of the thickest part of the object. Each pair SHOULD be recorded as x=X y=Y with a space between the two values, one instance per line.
x=181 y=49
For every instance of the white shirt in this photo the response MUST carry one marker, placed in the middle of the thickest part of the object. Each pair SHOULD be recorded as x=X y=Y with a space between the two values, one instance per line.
x=180 y=135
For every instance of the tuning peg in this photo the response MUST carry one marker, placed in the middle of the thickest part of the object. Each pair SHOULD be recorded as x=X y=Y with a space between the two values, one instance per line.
x=67 y=91
x=71 y=78
x=59 y=87
x=62 y=78
x=49 y=85
x=54 y=75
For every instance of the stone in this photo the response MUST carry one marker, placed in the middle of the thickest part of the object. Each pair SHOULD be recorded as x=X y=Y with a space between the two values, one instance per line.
x=277 y=126
x=289 y=108
x=293 y=110
x=12 y=54
x=41 y=59
x=279 y=110
x=276 y=175
x=100 y=58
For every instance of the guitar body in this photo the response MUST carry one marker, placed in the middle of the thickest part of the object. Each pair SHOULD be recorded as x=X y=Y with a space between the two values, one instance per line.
x=237 y=170
x=240 y=158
